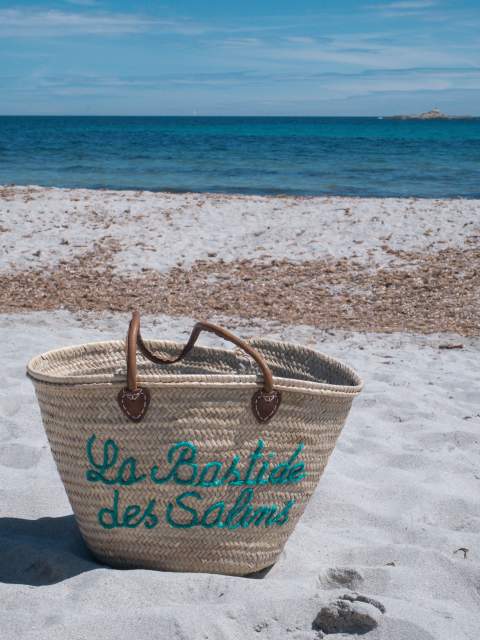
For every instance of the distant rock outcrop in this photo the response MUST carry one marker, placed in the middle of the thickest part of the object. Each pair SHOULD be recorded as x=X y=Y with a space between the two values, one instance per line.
x=433 y=114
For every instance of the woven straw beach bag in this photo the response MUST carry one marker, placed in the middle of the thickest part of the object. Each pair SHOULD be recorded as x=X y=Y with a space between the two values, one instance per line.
x=189 y=460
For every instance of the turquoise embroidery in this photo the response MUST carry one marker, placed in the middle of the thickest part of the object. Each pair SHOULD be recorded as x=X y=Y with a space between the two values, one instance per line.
x=242 y=514
x=241 y=503
x=267 y=514
x=183 y=460
x=213 y=481
x=130 y=517
x=179 y=501
x=127 y=472
x=285 y=473
x=110 y=456
x=219 y=507
x=263 y=469
x=189 y=509
x=234 y=472
x=183 y=456
x=257 y=454
x=130 y=466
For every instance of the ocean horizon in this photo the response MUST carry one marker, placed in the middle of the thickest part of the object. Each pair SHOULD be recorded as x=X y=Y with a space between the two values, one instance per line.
x=308 y=155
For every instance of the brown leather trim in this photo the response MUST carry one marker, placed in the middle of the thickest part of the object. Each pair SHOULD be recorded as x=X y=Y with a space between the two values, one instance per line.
x=134 y=404
x=134 y=400
x=132 y=338
x=265 y=405
x=221 y=333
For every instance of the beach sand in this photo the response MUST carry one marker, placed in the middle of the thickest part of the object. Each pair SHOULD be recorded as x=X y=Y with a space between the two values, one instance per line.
x=368 y=264
x=396 y=516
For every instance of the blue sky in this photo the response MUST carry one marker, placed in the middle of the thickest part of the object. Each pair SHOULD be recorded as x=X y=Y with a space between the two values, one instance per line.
x=260 y=57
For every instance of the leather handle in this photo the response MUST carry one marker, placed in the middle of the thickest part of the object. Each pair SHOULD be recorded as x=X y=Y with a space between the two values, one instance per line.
x=218 y=331
x=265 y=402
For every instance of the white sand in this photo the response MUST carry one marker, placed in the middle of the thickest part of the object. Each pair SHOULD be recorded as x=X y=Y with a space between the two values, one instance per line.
x=160 y=230
x=402 y=487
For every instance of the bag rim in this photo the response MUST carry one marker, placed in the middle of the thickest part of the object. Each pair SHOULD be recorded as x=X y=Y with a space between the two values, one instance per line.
x=215 y=380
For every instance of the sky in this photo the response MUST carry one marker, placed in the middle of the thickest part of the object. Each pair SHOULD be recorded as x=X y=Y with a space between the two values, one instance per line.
x=250 y=57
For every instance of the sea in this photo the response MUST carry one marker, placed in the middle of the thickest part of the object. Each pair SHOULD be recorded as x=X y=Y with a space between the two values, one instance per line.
x=308 y=156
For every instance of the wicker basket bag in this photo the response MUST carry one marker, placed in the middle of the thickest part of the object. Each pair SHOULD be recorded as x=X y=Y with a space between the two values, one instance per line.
x=192 y=458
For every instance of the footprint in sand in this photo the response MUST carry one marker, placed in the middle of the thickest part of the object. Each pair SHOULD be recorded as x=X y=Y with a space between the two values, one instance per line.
x=10 y=406
x=19 y=456
x=341 y=577
x=9 y=430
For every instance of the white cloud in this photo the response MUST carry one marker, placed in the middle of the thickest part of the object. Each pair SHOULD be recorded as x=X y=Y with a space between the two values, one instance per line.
x=241 y=42
x=361 y=51
x=35 y=23
x=300 y=40
x=408 y=80
x=83 y=3
x=403 y=5
x=380 y=91
x=404 y=8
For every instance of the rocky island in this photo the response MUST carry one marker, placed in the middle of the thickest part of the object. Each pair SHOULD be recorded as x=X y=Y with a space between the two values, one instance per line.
x=433 y=114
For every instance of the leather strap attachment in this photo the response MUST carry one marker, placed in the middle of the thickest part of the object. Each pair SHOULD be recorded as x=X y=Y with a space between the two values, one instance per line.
x=134 y=400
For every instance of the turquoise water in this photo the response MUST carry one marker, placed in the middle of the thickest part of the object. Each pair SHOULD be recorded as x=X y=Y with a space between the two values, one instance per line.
x=309 y=156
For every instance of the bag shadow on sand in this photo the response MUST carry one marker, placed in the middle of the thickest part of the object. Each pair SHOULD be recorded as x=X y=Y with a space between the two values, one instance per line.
x=43 y=551
x=49 y=550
